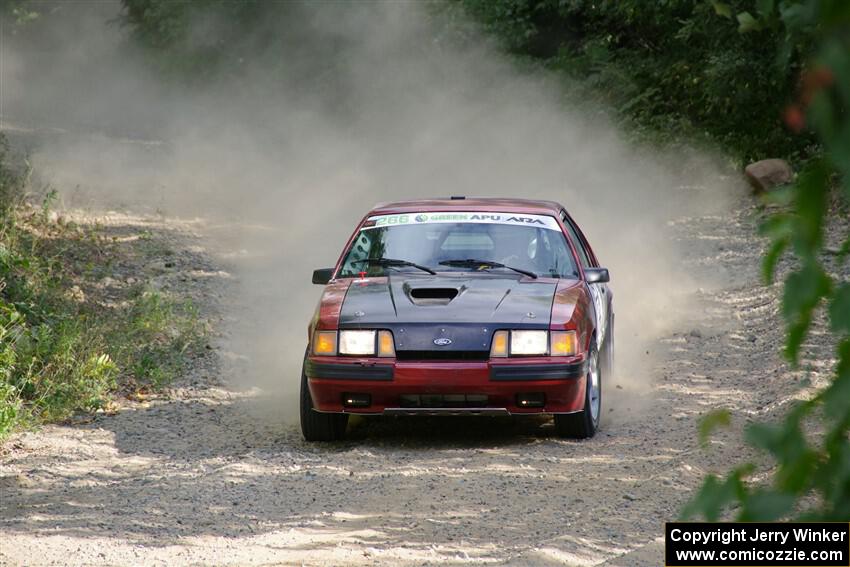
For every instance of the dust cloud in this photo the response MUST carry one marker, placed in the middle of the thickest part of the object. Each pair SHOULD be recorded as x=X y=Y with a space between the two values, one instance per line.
x=283 y=169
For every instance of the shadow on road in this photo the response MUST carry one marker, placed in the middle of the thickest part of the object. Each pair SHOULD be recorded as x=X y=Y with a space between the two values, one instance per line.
x=203 y=468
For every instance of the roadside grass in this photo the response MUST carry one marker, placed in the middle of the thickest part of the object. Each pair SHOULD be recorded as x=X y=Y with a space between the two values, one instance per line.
x=69 y=343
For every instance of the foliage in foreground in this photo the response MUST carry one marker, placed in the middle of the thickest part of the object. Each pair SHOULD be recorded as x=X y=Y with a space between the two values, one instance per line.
x=60 y=351
x=811 y=445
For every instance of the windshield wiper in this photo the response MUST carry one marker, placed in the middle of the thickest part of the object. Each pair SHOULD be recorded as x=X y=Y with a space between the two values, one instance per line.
x=393 y=263
x=484 y=264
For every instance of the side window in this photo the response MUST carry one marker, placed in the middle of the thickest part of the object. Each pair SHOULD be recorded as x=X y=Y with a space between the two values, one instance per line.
x=560 y=259
x=582 y=253
x=359 y=251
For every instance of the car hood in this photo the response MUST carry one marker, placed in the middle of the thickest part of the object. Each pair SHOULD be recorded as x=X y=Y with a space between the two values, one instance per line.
x=463 y=308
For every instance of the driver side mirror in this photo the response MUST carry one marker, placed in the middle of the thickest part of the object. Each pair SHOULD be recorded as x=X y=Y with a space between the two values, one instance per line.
x=322 y=275
x=596 y=275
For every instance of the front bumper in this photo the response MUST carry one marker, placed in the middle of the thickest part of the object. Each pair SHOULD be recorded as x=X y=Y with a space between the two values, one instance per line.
x=488 y=387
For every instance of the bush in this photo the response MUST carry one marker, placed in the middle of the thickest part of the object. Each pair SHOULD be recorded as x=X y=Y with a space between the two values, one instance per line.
x=60 y=353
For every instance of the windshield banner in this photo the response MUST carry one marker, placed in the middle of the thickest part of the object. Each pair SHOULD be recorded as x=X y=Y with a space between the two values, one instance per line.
x=539 y=221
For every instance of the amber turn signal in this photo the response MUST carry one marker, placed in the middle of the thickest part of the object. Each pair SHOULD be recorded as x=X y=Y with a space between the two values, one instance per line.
x=499 y=348
x=563 y=343
x=386 y=346
x=324 y=343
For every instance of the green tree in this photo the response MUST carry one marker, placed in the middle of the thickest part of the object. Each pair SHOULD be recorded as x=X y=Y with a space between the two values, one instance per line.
x=677 y=68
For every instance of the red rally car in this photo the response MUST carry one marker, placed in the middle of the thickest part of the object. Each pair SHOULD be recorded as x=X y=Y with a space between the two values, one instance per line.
x=460 y=306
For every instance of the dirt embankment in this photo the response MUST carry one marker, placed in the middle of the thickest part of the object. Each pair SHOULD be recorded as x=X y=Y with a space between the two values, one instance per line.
x=209 y=473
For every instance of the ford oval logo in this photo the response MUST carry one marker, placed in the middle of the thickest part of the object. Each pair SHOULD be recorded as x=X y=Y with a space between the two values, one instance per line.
x=442 y=341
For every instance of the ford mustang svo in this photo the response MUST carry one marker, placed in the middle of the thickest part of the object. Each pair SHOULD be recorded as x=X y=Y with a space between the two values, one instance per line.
x=460 y=306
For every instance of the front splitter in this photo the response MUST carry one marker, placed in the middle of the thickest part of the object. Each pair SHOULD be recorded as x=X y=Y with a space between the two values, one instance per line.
x=447 y=411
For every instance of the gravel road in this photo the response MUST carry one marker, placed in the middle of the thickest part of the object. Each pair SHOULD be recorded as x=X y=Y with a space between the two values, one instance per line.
x=209 y=473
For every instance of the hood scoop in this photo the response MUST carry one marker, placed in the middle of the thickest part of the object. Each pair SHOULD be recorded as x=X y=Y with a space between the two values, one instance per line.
x=432 y=295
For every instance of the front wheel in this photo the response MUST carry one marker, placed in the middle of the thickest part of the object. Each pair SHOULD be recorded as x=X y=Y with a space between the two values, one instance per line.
x=583 y=424
x=317 y=426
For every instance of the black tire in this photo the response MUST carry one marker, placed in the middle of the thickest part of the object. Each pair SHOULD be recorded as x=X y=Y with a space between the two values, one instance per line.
x=317 y=426
x=583 y=425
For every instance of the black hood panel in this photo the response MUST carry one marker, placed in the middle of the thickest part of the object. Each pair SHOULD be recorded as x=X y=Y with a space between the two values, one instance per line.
x=423 y=309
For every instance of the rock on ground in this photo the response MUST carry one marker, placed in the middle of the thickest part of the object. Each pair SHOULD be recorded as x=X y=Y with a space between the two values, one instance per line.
x=768 y=173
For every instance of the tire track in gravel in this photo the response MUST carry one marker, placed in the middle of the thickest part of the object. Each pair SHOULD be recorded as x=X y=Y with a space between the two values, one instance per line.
x=210 y=474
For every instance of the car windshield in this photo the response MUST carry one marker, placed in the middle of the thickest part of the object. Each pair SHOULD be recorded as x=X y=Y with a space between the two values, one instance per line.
x=533 y=243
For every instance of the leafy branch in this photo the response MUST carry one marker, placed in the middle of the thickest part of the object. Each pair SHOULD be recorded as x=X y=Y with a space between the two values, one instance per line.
x=811 y=478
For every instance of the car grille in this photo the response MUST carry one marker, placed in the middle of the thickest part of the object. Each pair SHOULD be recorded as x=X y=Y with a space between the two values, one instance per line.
x=442 y=355
x=443 y=400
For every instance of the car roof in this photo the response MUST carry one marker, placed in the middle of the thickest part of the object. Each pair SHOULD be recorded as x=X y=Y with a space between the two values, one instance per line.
x=496 y=204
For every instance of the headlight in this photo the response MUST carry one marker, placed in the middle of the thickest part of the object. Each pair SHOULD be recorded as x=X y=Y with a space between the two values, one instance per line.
x=534 y=343
x=363 y=343
x=524 y=343
x=357 y=342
